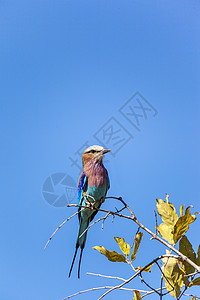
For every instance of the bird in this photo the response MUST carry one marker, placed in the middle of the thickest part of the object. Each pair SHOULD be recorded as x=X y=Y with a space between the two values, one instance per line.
x=92 y=188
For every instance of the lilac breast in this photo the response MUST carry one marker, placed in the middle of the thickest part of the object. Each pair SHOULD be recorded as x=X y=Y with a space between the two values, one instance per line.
x=96 y=174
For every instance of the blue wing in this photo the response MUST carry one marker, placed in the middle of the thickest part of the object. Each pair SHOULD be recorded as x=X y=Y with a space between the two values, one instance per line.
x=82 y=187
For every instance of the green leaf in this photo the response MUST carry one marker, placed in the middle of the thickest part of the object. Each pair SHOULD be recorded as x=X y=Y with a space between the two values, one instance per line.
x=137 y=242
x=136 y=295
x=185 y=247
x=125 y=248
x=173 y=276
x=193 y=298
x=198 y=257
x=111 y=255
x=182 y=224
x=167 y=212
x=196 y=281
x=166 y=231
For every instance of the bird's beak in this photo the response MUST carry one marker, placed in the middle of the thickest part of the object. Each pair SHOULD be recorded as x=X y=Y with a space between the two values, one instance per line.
x=106 y=151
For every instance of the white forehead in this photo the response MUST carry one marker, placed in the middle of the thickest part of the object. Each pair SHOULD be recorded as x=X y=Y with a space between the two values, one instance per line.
x=94 y=147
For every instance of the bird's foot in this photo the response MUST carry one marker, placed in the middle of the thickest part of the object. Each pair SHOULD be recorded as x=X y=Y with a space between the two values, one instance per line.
x=90 y=201
x=89 y=204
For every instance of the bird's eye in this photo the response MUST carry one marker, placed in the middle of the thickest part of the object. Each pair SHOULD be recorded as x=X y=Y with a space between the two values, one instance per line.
x=92 y=151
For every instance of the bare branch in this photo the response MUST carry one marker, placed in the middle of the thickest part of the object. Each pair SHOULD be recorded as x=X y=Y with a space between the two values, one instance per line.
x=163 y=275
x=143 y=281
x=138 y=230
x=103 y=218
x=60 y=227
x=181 y=294
x=102 y=288
x=192 y=274
x=106 y=276
x=104 y=222
x=189 y=295
x=156 y=222
x=151 y=292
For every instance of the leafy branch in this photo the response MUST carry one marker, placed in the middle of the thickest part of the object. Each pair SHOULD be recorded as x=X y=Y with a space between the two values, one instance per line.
x=178 y=270
x=181 y=228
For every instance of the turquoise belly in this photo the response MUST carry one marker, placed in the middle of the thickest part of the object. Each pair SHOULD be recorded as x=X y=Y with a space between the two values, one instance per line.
x=97 y=193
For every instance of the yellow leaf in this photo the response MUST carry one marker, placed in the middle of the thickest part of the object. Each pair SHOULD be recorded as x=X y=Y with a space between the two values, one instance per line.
x=173 y=276
x=181 y=210
x=185 y=247
x=147 y=269
x=136 y=295
x=196 y=281
x=167 y=198
x=182 y=224
x=167 y=212
x=125 y=248
x=166 y=231
x=137 y=242
x=111 y=255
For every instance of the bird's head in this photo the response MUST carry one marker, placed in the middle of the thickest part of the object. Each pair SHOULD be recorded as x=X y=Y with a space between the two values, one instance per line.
x=94 y=153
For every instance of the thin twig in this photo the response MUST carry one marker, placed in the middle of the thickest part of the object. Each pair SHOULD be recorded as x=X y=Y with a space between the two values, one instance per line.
x=102 y=288
x=161 y=287
x=103 y=218
x=181 y=294
x=192 y=274
x=104 y=221
x=121 y=285
x=164 y=274
x=189 y=295
x=60 y=227
x=140 y=275
x=106 y=276
x=143 y=281
x=151 y=292
x=138 y=230
x=156 y=222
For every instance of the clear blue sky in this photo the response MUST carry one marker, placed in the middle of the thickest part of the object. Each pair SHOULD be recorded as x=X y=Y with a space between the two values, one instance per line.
x=66 y=69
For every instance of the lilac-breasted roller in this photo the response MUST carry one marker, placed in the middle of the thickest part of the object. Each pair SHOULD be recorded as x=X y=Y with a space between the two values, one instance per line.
x=94 y=182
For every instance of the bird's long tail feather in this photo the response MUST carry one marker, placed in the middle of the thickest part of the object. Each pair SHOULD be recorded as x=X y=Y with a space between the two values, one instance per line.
x=80 y=243
x=82 y=237
x=73 y=260
x=79 y=264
